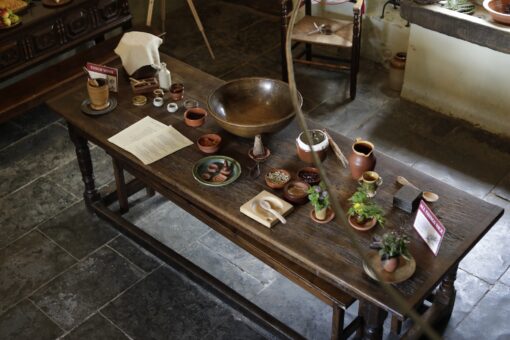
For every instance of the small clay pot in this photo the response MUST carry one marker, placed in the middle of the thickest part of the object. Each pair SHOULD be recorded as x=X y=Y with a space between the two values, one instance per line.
x=98 y=94
x=277 y=185
x=296 y=192
x=389 y=264
x=304 y=151
x=310 y=175
x=195 y=117
x=176 y=91
x=209 y=143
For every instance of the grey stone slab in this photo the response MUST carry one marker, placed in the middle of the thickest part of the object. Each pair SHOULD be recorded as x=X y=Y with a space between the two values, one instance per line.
x=489 y=319
x=166 y=306
x=27 y=264
x=228 y=19
x=239 y=257
x=503 y=188
x=34 y=156
x=224 y=270
x=31 y=205
x=470 y=290
x=249 y=70
x=9 y=133
x=297 y=308
x=260 y=37
x=394 y=139
x=490 y=257
x=68 y=175
x=136 y=254
x=78 y=231
x=169 y=224
x=226 y=60
x=233 y=329
x=26 y=322
x=90 y=284
x=506 y=277
x=36 y=119
x=96 y=327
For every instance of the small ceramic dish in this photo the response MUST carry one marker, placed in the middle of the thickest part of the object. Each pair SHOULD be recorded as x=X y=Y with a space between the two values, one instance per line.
x=209 y=143
x=296 y=192
x=310 y=175
x=430 y=196
x=216 y=171
x=277 y=178
x=195 y=117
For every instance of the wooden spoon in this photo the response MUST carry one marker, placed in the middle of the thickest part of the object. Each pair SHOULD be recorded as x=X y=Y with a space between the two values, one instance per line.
x=267 y=206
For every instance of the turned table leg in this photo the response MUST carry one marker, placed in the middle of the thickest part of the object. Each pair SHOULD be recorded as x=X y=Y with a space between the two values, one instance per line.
x=373 y=321
x=85 y=163
x=120 y=183
x=445 y=295
x=337 y=326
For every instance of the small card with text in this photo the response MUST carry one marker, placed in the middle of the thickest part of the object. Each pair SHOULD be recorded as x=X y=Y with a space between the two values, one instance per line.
x=428 y=226
x=111 y=74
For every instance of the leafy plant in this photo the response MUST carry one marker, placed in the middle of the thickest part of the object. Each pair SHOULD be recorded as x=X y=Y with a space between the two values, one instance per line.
x=363 y=208
x=392 y=244
x=318 y=196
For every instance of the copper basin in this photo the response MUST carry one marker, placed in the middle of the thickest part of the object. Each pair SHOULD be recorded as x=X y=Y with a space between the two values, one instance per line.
x=247 y=107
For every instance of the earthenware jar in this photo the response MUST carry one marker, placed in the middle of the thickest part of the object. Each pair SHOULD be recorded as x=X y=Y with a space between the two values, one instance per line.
x=389 y=264
x=397 y=68
x=362 y=158
x=320 y=144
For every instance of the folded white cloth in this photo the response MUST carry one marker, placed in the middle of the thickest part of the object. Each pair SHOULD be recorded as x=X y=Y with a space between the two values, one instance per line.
x=137 y=49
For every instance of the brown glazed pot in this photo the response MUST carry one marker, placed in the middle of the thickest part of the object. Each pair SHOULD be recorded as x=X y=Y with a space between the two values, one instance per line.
x=362 y=158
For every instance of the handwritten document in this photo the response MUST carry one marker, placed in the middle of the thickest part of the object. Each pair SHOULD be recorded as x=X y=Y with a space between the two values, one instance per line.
x=150 y=140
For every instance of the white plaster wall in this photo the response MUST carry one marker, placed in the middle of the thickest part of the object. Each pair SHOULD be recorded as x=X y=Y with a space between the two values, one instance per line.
x=458 y=78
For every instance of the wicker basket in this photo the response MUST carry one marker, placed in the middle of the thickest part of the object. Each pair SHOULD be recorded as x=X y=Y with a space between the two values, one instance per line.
x=499 y=10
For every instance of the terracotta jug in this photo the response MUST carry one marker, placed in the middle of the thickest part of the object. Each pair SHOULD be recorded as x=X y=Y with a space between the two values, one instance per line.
x=362 y=158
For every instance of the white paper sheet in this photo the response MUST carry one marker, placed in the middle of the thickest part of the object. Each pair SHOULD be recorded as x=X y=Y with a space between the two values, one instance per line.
x=150 y=140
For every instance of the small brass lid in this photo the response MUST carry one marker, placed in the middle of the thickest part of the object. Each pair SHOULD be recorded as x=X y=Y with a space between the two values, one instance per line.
x=139 y=100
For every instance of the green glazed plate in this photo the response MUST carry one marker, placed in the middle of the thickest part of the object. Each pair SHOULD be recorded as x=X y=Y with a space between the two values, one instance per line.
x=201 y=167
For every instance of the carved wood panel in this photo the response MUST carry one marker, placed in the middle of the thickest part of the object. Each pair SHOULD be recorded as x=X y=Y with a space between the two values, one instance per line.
x=10 y=53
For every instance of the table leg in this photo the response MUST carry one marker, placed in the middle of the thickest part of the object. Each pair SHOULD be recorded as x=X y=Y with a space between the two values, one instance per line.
x=85 y=163
x=338 y=323
x=445 y=295
x=120 y=183
x=283 y=31
x=373 y=321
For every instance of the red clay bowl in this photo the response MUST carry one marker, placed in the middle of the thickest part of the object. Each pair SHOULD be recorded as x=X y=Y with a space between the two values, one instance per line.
x=209 y=143
x=195 y=117
x=277 y=184
x=296 y=192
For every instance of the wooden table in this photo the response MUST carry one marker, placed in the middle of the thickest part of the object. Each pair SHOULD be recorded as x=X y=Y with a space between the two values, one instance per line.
x=318 y=257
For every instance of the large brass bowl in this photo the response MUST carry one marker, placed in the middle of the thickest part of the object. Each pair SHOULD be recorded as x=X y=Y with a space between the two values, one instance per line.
x=247 y=107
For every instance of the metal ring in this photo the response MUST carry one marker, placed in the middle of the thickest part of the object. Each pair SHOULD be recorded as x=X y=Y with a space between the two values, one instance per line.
x=190 y=103
x=158 y=92
x=172 y=107
x=157 y=102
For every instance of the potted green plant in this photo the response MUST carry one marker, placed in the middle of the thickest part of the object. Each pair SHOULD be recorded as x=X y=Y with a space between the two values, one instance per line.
x=319 y=198
x=364 y=213
x=391 y=247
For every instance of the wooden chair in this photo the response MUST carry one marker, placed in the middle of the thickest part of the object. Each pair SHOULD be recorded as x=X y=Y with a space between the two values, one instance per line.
x=339 y=34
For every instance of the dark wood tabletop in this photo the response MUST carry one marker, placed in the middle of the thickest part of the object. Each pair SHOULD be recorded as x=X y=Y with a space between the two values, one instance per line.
x=322 y=249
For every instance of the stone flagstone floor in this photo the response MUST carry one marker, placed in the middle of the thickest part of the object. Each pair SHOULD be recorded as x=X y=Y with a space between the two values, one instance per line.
x=67 y=274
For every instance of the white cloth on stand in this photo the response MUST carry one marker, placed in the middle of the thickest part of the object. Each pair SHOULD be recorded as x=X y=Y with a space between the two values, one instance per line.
x=138 y=49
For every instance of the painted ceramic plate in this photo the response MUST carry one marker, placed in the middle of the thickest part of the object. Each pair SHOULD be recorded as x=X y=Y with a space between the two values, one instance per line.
x=405 y=270
x=85 y=107
x=211 y=171
x=3 y=27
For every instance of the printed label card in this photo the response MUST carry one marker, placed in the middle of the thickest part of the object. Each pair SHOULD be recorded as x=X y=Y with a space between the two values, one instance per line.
x=428 y=226
x=111 y=74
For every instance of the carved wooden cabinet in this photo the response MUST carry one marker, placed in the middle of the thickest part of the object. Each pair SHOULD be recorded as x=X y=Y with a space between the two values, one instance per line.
x=46 y=32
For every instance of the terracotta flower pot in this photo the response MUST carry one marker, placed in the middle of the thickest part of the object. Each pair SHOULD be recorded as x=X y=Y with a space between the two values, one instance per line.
x=389 y=264
x=321 y=214
x=363 y=225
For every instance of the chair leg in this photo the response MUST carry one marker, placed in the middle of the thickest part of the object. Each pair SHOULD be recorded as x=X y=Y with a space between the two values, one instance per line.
x=337 y=327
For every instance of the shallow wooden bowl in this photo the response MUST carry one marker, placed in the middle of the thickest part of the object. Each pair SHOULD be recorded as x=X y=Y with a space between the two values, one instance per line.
x=247 y=107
